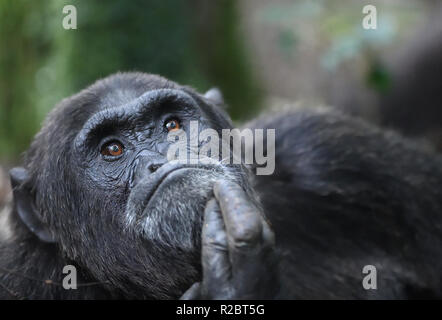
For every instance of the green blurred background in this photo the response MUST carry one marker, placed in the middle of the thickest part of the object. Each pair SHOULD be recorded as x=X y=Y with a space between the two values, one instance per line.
x=258 y=52
x=191 y=42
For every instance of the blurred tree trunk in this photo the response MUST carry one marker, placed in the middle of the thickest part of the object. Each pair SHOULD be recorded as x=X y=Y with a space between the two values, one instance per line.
x=224 y=56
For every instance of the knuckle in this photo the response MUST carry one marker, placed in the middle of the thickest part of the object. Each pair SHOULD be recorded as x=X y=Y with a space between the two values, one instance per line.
x=215 y=240
x=248 y=234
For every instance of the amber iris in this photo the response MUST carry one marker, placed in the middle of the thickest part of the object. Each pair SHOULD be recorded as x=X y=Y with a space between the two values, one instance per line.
x=113 y=149
x=172 y=125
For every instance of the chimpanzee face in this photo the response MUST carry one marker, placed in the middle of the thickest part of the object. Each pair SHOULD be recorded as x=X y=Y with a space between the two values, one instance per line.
x=106 y=194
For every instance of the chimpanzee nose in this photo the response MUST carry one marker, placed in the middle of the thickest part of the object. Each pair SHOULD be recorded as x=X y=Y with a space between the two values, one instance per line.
x=146 y=164
x=154 y=167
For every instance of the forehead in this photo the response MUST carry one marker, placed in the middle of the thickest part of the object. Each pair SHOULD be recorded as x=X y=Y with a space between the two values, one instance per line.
x=121 y=89
x=114 y=91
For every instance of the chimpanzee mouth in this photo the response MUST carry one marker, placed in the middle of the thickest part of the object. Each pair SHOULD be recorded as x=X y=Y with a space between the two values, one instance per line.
x=170 y=172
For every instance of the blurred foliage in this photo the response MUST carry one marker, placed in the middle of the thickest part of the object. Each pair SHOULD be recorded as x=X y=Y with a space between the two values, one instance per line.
x=337 y=25
x=378 y=77
x=22 y=49
x=41 y=63
x=287 y=42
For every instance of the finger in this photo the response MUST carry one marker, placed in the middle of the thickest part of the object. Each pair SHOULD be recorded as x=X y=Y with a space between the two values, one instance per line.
x=244 y=226
x=193 y=293
x=250 y=240
x=242 y=219
x=215 y=259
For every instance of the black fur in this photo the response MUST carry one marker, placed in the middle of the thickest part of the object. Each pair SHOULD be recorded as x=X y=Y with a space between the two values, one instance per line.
x=344 y=195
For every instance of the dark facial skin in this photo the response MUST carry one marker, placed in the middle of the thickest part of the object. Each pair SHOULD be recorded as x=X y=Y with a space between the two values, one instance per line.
x=146 y=227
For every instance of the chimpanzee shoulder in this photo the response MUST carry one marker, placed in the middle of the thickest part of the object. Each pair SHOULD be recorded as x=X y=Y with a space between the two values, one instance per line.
x=346 y=194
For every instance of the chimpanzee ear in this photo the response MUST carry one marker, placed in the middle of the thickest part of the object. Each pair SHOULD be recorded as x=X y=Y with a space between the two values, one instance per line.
x=215 y=96
x=25 y=207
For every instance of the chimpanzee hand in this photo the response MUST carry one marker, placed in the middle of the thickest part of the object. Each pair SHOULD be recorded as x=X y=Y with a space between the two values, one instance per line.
x=238 y=255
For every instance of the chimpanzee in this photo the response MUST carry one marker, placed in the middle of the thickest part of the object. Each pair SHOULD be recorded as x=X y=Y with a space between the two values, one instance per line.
x=97 y=192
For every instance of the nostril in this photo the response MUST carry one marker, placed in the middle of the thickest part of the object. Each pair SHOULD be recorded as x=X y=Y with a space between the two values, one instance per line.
x=154 y=167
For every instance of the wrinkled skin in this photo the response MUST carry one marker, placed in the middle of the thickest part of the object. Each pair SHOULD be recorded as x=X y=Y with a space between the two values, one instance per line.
x=133 y=221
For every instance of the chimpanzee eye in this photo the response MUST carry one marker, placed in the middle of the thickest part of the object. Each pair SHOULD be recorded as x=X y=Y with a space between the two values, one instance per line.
x=172 y=125
x=112 y=149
